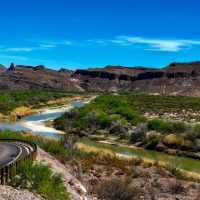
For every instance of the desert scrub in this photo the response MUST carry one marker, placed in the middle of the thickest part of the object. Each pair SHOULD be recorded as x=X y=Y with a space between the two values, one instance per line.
x=160 y=104
x=113 y=189
x=152 y=140
x=39 y=177
x=177 y=142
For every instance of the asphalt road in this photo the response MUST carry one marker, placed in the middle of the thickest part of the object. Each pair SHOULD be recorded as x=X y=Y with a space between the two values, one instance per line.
x=11 y=152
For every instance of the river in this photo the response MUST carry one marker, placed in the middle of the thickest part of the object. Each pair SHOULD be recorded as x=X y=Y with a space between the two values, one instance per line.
x=36 y=124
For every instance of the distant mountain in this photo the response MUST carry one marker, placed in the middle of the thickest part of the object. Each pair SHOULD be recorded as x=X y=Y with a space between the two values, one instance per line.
x=22 y=77
x=176 y=78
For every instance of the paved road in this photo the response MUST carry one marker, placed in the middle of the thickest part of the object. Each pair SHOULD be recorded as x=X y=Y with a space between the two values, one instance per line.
x=11 y=152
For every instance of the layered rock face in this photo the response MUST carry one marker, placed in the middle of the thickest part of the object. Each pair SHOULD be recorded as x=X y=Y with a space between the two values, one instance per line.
x=177 y=78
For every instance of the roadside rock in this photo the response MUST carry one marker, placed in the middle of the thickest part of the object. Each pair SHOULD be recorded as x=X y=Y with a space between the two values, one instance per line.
x=10 y=193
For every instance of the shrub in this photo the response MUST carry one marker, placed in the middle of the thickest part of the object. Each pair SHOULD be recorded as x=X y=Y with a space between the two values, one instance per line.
x=173 y=168
x=177 y=142
x=152 y=140
x=197 y=130
x=179 y=127
x=191 y=135
x=116 y=190
x=160 y=125
x=139 y=134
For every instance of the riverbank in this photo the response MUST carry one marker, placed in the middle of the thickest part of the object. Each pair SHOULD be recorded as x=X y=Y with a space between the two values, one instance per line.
x=149 y=157
x=113 y=140
x=17 y=104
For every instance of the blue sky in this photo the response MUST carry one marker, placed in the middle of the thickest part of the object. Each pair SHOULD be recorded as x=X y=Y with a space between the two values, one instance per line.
x=94 y=33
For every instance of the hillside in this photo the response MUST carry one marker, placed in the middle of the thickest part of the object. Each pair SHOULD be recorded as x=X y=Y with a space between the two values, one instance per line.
x=27 y=77
x=176 y=78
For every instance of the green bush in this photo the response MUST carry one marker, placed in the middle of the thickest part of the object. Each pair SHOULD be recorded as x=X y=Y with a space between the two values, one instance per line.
x=179 y=127
x=165 y=126
x=197 y=130
x=137 y=137
x=160 y=126
x=152 y=140
x=40 y=178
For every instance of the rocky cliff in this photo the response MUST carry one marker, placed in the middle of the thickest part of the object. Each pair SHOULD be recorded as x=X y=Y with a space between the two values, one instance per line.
x=176 y=78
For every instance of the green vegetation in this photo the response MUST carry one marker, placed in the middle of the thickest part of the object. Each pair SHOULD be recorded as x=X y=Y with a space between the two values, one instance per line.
x=167 y=126
x=39 y=177
x=102 y=112
x=160 y=104
x=10 y=100
x=121 y=116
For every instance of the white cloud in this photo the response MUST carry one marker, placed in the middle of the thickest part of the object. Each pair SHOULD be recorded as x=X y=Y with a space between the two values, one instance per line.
x=157 y=44
x=98 y=42
x=47 y=46
x=50 y=43
x=18 y=49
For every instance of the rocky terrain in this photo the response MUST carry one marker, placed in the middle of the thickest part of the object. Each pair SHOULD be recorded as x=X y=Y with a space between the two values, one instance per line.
x=177 y=78
x=9 y=193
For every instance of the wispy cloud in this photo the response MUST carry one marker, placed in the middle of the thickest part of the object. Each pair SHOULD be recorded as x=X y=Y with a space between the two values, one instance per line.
x=101 y=42
x=17 y=49
x=172 y=45
x=144 y=43
x=47 y=46
x=50 y=43
x=20 y=58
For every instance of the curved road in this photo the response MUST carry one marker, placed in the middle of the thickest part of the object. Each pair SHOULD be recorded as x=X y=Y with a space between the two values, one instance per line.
x=12 y=152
